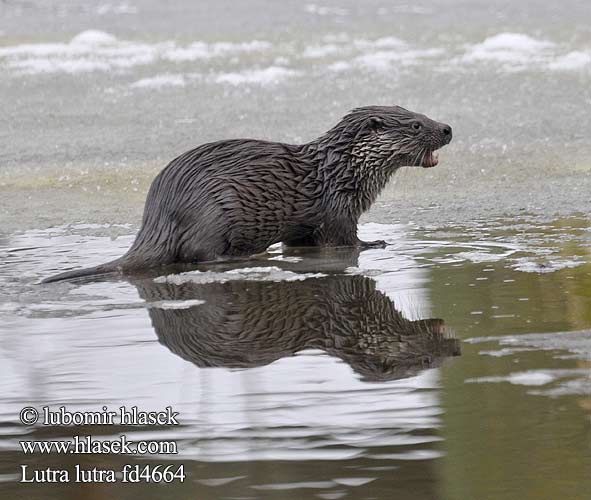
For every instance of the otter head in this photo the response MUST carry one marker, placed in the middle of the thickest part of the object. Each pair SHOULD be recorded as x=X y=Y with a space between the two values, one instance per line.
x=399 y=137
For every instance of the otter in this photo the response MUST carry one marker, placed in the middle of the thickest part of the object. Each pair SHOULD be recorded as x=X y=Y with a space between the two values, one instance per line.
x=235 y=198
x=247 y=324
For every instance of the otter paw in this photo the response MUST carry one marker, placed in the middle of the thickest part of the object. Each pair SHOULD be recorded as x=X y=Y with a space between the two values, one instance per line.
x=373 y=244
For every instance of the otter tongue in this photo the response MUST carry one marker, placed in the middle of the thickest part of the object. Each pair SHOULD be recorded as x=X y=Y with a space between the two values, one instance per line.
x=430 y=160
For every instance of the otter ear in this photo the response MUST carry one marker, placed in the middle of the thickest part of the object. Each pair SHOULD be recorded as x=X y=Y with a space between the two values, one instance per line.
x=374 y=123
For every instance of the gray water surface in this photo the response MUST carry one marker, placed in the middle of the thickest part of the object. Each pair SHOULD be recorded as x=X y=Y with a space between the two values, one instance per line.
x=411 y=370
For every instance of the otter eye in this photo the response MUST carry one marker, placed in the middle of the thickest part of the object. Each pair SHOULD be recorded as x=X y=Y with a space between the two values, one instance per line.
x=375 y=123
x=417 y=126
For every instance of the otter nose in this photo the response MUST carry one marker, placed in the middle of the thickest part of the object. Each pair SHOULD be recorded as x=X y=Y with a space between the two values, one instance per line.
x=447 y=134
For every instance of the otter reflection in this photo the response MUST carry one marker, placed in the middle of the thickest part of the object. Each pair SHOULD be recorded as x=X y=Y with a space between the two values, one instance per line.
x=244 y=324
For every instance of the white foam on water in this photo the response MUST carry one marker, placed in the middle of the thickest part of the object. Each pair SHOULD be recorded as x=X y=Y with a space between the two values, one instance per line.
x=272 y=273
x=531 y=378
x=482 y=256
x=565 y=381
x=267 y=76
x=408 y=455
x=287 y=259
x=527 y=265
x=505 y=351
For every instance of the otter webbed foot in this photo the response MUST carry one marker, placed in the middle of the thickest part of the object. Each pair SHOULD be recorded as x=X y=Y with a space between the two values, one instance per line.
x=373 y=244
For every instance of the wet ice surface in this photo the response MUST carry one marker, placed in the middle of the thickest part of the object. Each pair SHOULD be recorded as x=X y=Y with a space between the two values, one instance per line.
x=254 y=354
x=125 y=91
x=98 y=51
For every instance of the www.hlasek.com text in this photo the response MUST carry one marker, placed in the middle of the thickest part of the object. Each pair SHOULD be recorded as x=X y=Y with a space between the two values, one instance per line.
x=91 y=445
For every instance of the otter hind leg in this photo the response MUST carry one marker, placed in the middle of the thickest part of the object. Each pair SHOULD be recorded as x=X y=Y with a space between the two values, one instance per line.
x=200 y=242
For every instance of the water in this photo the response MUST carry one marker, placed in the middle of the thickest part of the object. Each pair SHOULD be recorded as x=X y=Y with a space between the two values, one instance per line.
x=453 y=364
x=326 y=375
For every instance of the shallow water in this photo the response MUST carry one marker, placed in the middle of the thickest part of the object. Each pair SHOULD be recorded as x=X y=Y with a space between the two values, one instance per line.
x=317 y=375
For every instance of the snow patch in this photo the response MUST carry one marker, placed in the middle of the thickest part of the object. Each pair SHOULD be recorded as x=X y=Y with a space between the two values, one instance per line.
x=321 y=10
x=340 y=66
x=268 y=76
x=95 y=50
x=202 y=50
x=112 y=8
x=572 y=61
x=385 y=59
x=508 y=48
x=93 y=38
x=387 y=42
x=319 y=51
x=159 y=81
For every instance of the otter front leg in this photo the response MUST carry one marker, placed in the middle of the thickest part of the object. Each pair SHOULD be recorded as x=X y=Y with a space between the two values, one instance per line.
x=343 y=233
x=337 y=233
x=336 y=242
x=324 y=235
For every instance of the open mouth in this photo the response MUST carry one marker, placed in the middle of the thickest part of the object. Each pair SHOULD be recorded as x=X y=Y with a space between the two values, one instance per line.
x=430 y=159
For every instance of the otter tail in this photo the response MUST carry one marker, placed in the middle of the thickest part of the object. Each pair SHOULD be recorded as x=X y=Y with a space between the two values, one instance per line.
x=110 y=267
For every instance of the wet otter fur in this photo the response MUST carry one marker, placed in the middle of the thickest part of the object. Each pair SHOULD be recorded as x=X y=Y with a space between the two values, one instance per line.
x=235 y=198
